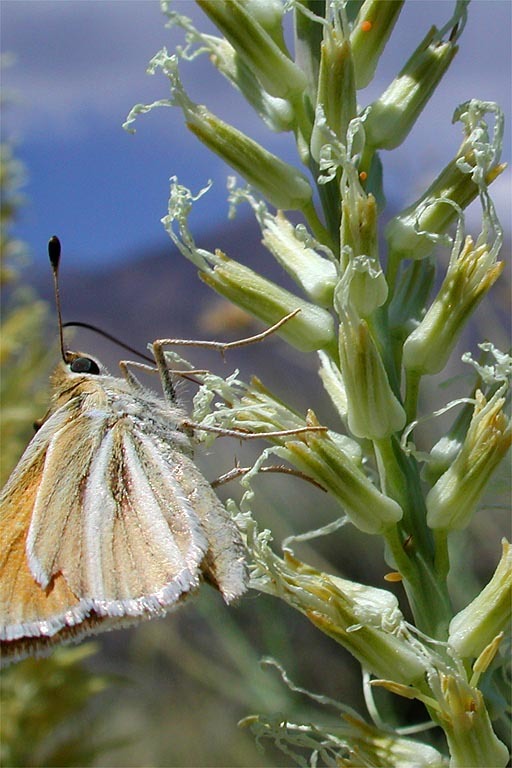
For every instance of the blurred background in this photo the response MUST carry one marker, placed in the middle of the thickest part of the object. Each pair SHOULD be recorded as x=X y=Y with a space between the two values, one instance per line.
x=169 y=693
x=76 y=68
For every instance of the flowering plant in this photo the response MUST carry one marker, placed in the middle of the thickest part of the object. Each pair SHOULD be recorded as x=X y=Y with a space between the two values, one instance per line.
x=380 y=325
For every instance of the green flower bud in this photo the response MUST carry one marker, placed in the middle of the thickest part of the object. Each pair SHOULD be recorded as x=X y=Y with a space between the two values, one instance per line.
x=336 y=92
x=277 y=113
x=239 y=23
x=474 y=628
x=283 y=185
x=391 y=117
x=258 y=410
x=371 y=31
x=367 y=287
x=373 y=410
x=315 y=274
x=461 y=711
x=321 y=458
x=453 y=499
x=465 y=720
x=268 y=13
x=311 y=329
x=469 y=276
x=412 y=234
x=362 y=619
x=381 y=747
x=352 y=735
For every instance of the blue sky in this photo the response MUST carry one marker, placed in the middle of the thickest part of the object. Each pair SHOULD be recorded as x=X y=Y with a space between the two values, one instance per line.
x=78 y=66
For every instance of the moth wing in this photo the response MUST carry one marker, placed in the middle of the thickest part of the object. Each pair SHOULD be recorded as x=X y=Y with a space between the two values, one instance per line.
x=106 y=535
x=224 y=564
x=136 y=544
x=27 y=610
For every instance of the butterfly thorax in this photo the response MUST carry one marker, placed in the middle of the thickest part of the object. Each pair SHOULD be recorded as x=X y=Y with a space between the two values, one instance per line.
x=110 y=399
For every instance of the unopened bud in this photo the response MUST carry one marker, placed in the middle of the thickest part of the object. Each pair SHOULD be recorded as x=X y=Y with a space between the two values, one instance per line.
x=311 y=329
x=453 y=499
x=392 y=116
x=374 y=411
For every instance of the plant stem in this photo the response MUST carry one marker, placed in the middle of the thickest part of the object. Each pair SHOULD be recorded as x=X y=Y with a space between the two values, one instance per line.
x=411 y=544
x=426 y=593
x=411 y=394
x=318 y=229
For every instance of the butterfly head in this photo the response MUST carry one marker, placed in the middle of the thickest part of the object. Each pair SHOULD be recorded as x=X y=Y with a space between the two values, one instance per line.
x=78 y=362
x=76 y=373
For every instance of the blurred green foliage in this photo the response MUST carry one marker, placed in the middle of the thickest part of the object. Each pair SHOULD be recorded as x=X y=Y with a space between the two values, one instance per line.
x=23 y=351
x=44 y=701
x=40 y=699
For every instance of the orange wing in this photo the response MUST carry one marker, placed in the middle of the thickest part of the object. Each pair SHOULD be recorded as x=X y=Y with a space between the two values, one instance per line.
x=96 y=535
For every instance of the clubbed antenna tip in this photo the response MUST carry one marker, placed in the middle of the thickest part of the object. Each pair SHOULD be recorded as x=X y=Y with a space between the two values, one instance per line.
x=54 y=251
x=54 y=254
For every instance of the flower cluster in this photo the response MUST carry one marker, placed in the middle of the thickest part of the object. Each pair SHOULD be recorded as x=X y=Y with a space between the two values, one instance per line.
x=379 y=323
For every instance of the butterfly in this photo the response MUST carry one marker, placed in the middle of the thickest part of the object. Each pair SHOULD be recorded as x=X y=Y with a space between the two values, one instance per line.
x=106 y=519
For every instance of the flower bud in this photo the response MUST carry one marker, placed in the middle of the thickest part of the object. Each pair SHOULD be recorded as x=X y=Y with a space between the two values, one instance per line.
x=374 y=411
x=391 y=117
x=460 y=709
x=367 y=287
x=239 y=23
x=336 y=92
x=311 y=329
x=413 y=234
x=475 y=627
x=283 y=185
x=356 y=616
x=453 y=499
x=277 y=113
x=465 y=720
x=469 y=276
x=269 y=14
x=352 y=735
x=315 y=274
x=254 y=408
x=321 y=458
x=372 y=28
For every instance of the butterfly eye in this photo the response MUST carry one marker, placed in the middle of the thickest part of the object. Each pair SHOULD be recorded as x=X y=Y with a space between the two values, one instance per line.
x=84 y=365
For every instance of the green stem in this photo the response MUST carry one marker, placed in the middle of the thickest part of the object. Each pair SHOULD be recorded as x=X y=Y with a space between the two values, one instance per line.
x=400 y=481
x=426 y=593
x=379 y=328
x=412 y=390
x=318 y=229
x=442 y=557
x=392 y=268
x=329 y=195
x=410 y=543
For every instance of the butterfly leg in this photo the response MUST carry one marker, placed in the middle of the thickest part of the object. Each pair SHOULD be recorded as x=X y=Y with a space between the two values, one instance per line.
x=163 y=369
x=130 y=377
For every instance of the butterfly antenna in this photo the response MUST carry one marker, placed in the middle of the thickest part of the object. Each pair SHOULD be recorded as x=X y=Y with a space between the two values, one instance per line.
x=54 y=250
x=110 y=337
x=54 y=255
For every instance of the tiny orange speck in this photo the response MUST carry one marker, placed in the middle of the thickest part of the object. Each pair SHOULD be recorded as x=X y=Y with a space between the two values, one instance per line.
x=363 y=175
x=393 y=576
x=366 y=26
